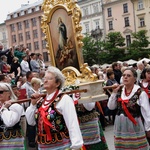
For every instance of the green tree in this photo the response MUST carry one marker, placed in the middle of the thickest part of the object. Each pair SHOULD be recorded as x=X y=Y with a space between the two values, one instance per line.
x=113 y=47
x=89 y=50
x=139 y=47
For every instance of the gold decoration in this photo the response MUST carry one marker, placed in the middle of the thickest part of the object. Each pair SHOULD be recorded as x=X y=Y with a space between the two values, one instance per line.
x=73 y=75
x=49 y=7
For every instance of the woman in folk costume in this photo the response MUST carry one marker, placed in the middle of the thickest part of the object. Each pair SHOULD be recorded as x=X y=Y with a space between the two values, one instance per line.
x=11 y=136
x=145 y=85
x=55 y=116
x=90 y=125
x=131 y=102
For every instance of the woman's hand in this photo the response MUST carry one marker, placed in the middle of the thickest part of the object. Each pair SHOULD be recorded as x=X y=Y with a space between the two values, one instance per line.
x=116 y=88
x=35 y=98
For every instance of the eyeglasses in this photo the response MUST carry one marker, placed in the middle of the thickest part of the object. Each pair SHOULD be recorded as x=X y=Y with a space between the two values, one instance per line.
x=1 y=92
x=127 y=75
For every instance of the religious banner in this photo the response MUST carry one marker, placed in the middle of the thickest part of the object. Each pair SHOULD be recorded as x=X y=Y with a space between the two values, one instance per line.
x=60 y=24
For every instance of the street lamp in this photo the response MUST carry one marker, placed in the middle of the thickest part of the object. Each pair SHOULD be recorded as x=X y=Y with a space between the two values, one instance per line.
x=97 y=34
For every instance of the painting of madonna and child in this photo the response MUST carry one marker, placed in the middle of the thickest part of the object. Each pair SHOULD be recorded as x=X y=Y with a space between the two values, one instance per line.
x=63 y=42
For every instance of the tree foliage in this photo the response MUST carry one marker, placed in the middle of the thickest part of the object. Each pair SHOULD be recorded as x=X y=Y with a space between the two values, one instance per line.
x=140 y=40
x=113 y=48
x=90 y=50
x=139 y=46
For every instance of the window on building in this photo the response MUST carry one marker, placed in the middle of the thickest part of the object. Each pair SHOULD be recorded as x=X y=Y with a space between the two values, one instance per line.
x=29 y=46
x=4 y=35
x=33 y=10
x=97 y=24
x=85 y=11
x=140 y=4
x=36 y=45
x=12 y=26
x=128 y=40
x=20 y=37
x=43 y=44
x=13 y=38
x=142 y=22
x=26 y=22
x=110 y=24
x=33 y=22
x=27 y=35
x=19 y=26
x=95 y=8
x=126 y=21
x=109 y=12
x=125 y=8
x=87 y=29
x=35 y=34
x=45 y=56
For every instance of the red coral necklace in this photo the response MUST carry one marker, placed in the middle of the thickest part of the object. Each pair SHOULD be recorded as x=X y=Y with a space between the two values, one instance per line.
x=128 y=93
x=51 y=100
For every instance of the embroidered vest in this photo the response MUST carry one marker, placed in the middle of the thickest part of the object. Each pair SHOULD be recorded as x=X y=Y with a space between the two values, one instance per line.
x=7 y=133
x=56 y=124
x=85 y=115
x=132 y=106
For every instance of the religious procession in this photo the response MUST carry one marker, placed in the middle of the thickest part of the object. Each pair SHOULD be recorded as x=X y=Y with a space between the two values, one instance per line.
x=68 y=104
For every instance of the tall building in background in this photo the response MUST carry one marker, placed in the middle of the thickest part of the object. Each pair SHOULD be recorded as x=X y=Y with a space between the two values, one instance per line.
x=126 y=16
x=92 y=15
x=142 y=15
x=24 y=29
x=119 y=17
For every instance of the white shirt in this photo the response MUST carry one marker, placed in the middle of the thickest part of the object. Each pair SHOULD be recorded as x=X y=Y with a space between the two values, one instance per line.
x=66 y=107
x=143 y=102
x=12 y=116
x=24 y=67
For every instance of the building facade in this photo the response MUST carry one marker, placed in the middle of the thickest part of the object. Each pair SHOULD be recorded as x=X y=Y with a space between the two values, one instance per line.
x=142 y=15
x=126 y=16
x=92 y=15
x=24 y=29
x=119 y=17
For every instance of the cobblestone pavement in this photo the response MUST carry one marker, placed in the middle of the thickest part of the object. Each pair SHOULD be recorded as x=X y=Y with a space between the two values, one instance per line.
x=109 y=136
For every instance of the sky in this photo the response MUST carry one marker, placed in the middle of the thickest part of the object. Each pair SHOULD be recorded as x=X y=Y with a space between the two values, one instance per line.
x=8 y=6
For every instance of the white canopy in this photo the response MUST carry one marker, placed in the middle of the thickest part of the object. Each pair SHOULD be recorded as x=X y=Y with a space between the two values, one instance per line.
x=120 y=62
x=131 y=62
x=145 y=59
x=105 y=65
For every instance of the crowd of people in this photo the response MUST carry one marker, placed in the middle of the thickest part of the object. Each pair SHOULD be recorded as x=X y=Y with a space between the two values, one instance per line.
x=52 y=119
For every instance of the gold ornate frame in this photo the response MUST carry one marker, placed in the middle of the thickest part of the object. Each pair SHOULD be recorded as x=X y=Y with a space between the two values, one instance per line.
x=81 y=75
x=50 y=8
